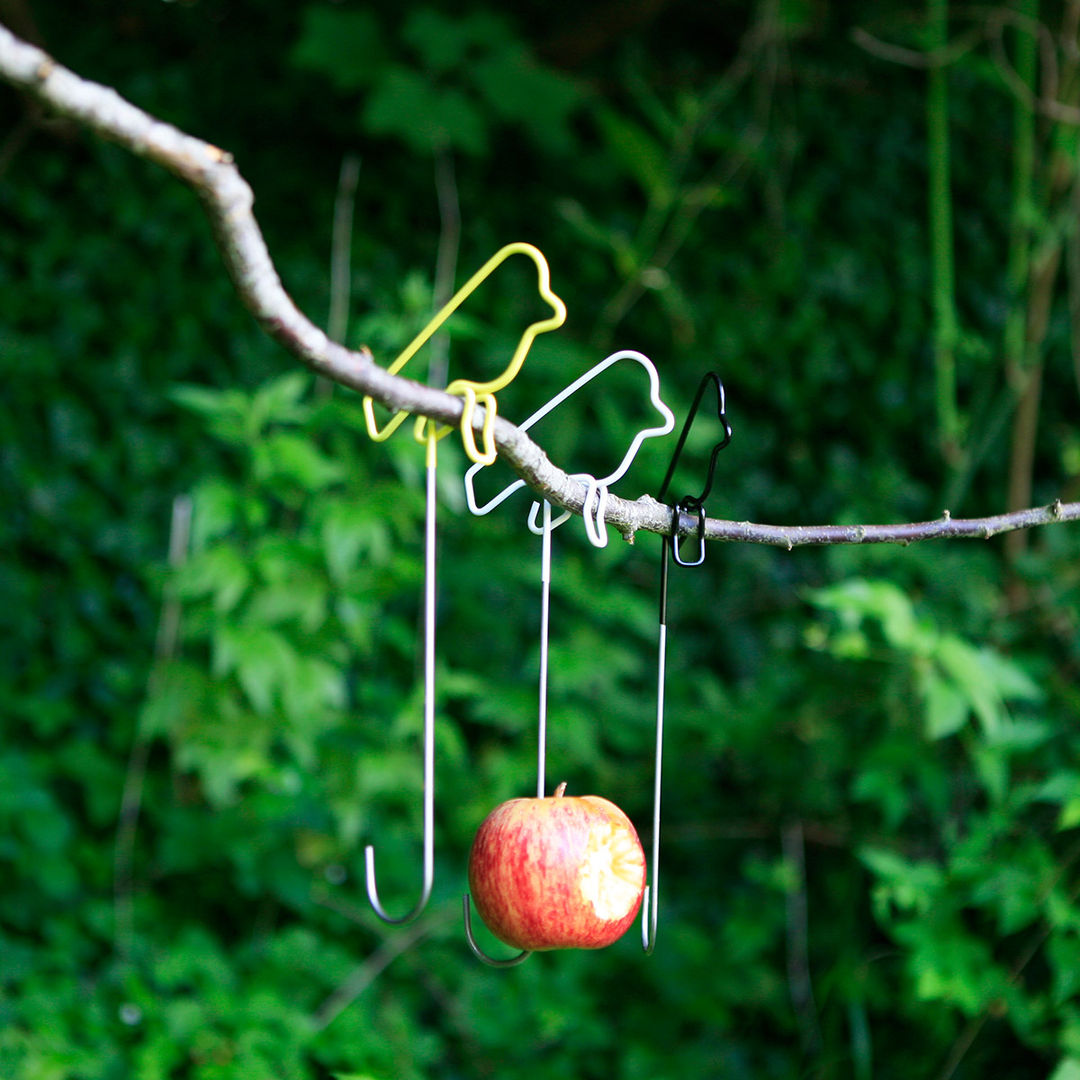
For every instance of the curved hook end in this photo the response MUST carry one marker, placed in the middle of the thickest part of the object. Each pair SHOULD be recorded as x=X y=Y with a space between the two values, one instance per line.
x=648 y=922
x=479 y=953
x=373 y=892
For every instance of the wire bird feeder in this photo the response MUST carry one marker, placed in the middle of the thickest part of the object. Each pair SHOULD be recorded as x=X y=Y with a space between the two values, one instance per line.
x=595 y=502
x=428 y=433
x=687 y=512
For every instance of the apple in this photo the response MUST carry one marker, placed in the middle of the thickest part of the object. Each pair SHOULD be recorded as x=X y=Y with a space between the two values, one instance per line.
x=557 y=872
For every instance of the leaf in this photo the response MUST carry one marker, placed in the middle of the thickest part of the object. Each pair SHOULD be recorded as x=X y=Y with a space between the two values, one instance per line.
x=285 y=456
x=1067 y=1069
x=1060 y=786
x=206 y=401
x=313 y=687
x=302 y=601
x=446 y=42
x=946 y=708
x=518 y=89
x=224 y=410
x=216 y=510
x=1019 y=736
x=349 y=531
x=965 y=666
x=1015 y=891
x=359 y=621
x=992 y=769
x=590 y=228
x=954 y=968
x=912 y=886
x=1070 y=814
x=178 y=691
x=886 y=604
x=292 y=586
x=1013 y=683
x=220 y=574
x=1063 y=954
x=261 y=658
x=345 y=46
x=878 y=784
x=280 y=401
x=647 y=160
x=425 y=116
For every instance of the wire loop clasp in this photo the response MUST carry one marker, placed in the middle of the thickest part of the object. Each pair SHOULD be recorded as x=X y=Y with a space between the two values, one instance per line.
x=473 y=392
x=679 y=513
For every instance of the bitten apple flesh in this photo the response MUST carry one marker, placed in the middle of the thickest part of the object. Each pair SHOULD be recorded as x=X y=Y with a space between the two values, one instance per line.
x=557 y=872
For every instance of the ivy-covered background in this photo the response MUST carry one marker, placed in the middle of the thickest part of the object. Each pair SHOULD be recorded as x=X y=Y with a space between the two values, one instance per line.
x=863 y=217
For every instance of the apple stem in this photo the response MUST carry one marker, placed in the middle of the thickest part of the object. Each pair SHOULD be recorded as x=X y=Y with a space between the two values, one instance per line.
x=560 y=790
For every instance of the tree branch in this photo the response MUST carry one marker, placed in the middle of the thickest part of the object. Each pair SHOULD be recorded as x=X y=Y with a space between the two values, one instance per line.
x=228 y=201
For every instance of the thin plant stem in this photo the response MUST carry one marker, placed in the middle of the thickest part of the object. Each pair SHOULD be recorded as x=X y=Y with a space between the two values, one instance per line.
x=800 y=983
x=446 y=258
x=168 y=637
x=1026 y=373
x=1073 y=265
x=943 y=278
x=1021 y=78
x=337 y=320
x=368 y=970
x=1023 y=172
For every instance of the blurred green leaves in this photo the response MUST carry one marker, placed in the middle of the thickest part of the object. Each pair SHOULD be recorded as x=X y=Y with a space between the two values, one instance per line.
x=751 y=202
x=957 y=680
x=343 y=46
x=457 y=79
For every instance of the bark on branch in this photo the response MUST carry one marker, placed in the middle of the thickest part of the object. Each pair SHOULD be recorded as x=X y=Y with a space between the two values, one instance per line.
x=228 y=201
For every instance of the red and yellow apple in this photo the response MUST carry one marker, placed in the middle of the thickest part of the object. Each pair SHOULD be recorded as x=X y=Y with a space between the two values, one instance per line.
x=557 y=872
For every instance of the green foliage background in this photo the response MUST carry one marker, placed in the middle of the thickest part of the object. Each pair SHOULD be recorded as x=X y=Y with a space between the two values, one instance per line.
x=870 y=857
